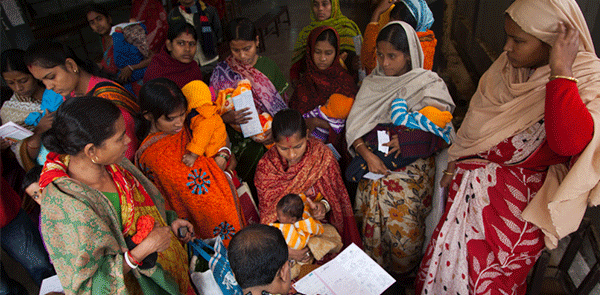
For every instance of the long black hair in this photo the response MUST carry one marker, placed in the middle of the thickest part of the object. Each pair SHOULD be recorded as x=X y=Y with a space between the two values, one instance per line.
x=81 y=121
x=158 y=97
x=241 y=29
x=179 y=28
x=330 y=37
x=396 y=35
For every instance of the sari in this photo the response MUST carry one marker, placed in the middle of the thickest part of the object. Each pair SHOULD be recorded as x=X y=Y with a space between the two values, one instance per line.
x=517 y=195
x=154 y=16
x=268 y=84
x=317 y=171
x=201 y=193
x=345 y=27
x=164 y=65
x=86 y=240
x=391 y=211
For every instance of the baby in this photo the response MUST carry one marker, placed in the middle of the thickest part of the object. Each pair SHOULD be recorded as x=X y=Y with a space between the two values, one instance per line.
x=295 y=221
x=335 y=111
x=209 y=136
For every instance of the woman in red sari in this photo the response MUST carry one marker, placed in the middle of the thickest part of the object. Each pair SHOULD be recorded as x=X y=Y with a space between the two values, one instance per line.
x=520 y=175
x=299 y=164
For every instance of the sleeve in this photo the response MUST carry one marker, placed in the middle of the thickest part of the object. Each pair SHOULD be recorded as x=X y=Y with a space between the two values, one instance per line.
x=81 y=244
x=208 y=136
x=367 y=53
x=216 y=25
x=569 y=124
x=311 y=226
x=297 y=69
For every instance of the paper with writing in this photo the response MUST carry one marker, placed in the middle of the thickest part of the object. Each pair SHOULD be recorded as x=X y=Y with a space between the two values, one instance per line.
x=245 y=100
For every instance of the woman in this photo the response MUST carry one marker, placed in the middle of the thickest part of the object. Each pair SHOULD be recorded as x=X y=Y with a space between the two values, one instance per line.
x=391 y=211
x=200 y=193
x=102 y=220
x=154 y=16
x=24 y=107
x=176 y=60
x=326 y=13
x=414 y=12
x=126 y=51
x=268 y=87
x=299 y=164
x=519 y=171
x=57 y=66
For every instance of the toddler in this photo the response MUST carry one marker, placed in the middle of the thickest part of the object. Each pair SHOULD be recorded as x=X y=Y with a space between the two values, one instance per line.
x=335 y=111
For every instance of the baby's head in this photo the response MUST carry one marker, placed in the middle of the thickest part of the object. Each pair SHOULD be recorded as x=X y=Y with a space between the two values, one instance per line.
x=338 y=106
x=290 y=209
x=31 y=184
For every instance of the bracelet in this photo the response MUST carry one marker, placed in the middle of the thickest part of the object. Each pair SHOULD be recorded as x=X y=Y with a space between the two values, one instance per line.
x=448 y=173
x=564 y=77
x=130 y=67
x=326 y=204
x=356 y=147
x=131 y=265
x=223 y=156
x=133 y=259
x=225 y=149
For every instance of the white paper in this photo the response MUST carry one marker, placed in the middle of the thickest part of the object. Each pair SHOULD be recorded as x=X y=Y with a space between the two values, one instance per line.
x=351 y=272
x=122 y=26
x=383 y=137
x=336 y=154
x=245 y=100
x=14 y=132
x=51 y=284
x=373 y=176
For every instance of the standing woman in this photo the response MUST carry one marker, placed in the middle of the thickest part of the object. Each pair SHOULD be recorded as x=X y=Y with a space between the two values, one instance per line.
x=268 y=87
x=200 y=193
x=522 y=175
x=391 y=211
x=57 y=66
x=103 y=222
x=326 y=13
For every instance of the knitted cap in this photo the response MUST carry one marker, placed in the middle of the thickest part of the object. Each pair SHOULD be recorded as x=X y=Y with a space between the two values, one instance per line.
x=338 y=106
x=197 y=94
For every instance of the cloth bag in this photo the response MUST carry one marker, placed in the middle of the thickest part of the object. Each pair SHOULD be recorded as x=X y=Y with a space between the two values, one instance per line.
x=218 y=279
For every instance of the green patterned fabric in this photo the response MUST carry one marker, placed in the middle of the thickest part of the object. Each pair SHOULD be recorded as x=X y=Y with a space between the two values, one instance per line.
x=82 y=232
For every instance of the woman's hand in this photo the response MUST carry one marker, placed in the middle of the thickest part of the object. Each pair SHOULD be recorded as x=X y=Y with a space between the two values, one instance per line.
x=447 y=178
x=312 y=123
x=394 y=145
x=302 y=255
x=125 y=74
x=158 y=240
x=564 y=51
x=375 y=164
x=237 y=117
x=183 y=223
x=5 y=143
x=232 y=163
x=221 y=162
x=189 y=159
x=317 y=209
x=45 y=123
x=383 y=6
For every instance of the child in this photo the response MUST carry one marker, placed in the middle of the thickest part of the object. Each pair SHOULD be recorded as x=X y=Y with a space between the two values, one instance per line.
x=209 y=136
x=335 y=111
x=295 y=220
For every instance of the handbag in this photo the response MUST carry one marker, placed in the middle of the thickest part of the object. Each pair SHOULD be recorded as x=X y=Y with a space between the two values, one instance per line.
x=218 y=265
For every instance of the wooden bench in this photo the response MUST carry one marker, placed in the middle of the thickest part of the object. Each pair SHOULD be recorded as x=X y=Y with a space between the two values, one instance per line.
x=263 y=24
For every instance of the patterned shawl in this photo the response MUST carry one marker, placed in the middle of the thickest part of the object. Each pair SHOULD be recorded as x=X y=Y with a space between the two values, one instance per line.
x=154 y=16
x=419 y=87
x=266 y=98
x=85 y=240
x=508 y=101
x=316 y=85
x=164 y=65
x=345 y=27
x=317 y=170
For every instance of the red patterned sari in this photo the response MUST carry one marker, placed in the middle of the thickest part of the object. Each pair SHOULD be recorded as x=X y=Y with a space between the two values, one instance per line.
x=489 y=246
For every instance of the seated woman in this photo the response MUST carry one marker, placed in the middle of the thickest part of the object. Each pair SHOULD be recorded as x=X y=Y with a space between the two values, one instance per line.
x=414 y=12
x=525 y=160
x=268 y=86
x=176 y=60
x=103 y=222
x=200 y=193
x=57 y=66
x=326 y=13
x=300 y=164
x=126 y=53
x=324 y=77
x=391 y=211
x=30 y=106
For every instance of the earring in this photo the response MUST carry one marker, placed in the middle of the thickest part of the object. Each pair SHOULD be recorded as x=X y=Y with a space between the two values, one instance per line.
x=95 y=160
x=75 y=70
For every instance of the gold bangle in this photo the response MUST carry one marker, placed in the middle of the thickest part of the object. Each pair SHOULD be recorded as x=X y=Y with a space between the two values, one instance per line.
x=356 y=147
x=448 y=173
x=564 y=77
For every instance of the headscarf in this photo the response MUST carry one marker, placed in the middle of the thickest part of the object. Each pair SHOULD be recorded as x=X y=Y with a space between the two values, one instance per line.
x=508 y=101
x=316 y=86
x=419 y=87
x=421 y=13
x=345 y=27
